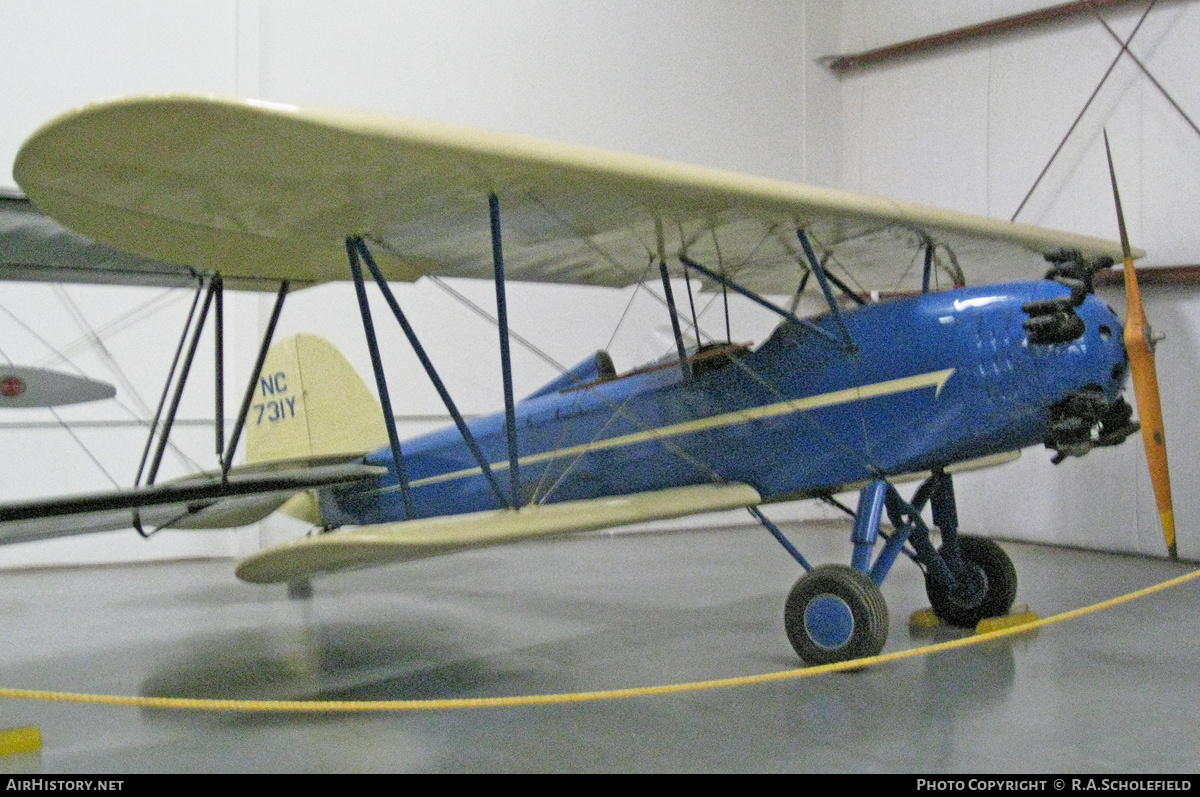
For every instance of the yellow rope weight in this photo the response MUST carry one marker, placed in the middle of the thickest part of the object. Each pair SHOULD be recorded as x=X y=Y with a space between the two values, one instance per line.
x=1022 y=617
x=20 y=740
x=580 y=697
x=923 y=621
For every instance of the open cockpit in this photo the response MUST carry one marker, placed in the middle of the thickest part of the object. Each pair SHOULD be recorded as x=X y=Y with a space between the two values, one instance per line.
x=599 y=369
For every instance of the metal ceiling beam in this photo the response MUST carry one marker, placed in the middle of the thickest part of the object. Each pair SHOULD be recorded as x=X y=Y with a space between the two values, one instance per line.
x=1153 y=275
x=841 y=64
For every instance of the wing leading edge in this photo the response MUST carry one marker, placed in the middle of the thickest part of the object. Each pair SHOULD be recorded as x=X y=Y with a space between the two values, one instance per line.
x=268 y=192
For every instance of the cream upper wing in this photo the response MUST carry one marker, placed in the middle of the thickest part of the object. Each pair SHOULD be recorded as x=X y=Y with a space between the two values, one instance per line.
x=260 y=191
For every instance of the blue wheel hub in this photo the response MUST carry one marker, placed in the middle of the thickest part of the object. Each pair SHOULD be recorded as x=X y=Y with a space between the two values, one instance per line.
x=828 y=621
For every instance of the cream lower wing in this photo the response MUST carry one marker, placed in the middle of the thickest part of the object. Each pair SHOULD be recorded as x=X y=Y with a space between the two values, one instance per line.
x=416 y=539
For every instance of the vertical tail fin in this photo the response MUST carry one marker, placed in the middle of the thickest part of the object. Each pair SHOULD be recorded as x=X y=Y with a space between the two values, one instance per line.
x=310 y=402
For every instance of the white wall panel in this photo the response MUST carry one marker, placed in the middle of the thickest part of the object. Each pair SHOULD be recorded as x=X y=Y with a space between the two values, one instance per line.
x=823 y=117
x=916 y=131
x=970 y=128
x=1170 y=148
x=696 y=80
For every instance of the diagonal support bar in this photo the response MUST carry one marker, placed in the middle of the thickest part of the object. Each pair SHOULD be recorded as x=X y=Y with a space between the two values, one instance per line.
x=905 y=515
x=779 y=536
x=438 y=385
x=389 y=418
x=179 y=386
x=845 y=289
x=754 y=297
x=814 y=262
x=692 y=304
x=510 y=413
x=219 y=376
x=166 y=391
x=255 y=374
x=679 y=347
x=927 y=274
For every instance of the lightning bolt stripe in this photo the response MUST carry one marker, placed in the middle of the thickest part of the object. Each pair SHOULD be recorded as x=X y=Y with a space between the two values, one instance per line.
x=934 y=379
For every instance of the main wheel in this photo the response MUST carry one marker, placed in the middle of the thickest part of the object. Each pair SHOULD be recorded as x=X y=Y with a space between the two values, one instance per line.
x=991 y=595
x=835 y=613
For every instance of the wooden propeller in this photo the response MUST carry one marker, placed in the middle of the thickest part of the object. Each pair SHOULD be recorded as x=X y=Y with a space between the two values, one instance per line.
x=1139 y=345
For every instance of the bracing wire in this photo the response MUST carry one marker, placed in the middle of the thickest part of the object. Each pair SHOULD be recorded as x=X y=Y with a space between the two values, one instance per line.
x=628 y=305
x=1145 y=70
x=1082 y=111
x=139 y=313
x=61 y=356
x=84 y=447
x=97 y=344
x=74 y=436
x=621 y=409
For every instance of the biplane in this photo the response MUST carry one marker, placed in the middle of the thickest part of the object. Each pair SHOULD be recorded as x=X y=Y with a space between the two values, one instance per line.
x=863 y=395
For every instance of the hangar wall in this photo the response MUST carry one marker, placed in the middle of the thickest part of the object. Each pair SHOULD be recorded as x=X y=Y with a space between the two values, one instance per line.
x=971 y=127
x=731 y=85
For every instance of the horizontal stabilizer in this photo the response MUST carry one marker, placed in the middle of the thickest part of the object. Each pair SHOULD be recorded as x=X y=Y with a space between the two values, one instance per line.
x=416 y=539
x=203 y=500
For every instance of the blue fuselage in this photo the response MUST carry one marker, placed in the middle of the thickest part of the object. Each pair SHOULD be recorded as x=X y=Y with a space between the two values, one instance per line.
x=932 y=380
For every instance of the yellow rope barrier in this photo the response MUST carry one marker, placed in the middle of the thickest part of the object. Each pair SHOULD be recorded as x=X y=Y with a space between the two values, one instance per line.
x=578 y=697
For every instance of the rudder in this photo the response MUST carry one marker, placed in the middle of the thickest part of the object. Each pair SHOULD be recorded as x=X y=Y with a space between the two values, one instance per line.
x=311 y=403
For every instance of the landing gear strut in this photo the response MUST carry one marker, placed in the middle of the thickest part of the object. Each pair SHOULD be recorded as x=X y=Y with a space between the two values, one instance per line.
x=837 y=613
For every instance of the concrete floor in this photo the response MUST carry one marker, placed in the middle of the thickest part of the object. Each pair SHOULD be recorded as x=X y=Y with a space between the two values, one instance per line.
x=1110 y=692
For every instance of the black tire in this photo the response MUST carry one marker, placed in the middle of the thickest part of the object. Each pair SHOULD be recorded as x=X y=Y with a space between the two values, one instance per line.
x=987 y=560
x=835 y=613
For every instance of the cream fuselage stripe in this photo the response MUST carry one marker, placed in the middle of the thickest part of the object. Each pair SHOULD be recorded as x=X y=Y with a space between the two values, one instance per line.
x=934 y=379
